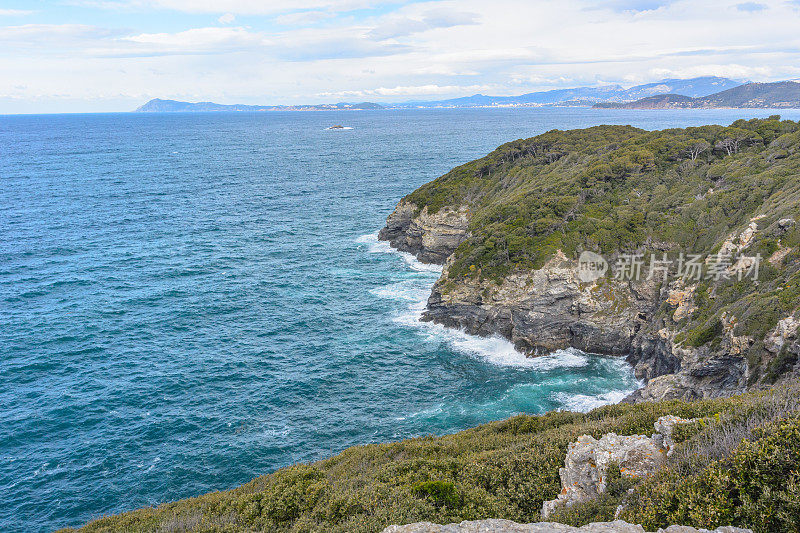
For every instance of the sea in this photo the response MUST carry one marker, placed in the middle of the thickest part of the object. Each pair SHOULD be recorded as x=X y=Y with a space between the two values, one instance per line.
x=188 y=301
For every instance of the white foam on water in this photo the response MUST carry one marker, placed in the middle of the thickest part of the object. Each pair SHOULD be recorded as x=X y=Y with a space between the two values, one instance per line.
x=414 y=293
x=584 y=403
x=495 y=349
x=378 y=247
x=499 y=351
x=407 y=291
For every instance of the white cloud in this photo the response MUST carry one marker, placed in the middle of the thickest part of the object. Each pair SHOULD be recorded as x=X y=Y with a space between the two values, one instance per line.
x=238 y=7
x=419 y=90
x=14 y=12
x=212 y=40
x=435 y=48
x=303 y=18
x=394 y=27
x=49 y=38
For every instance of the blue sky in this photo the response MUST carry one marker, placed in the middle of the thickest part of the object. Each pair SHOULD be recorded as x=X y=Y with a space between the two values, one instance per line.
x=107 y=55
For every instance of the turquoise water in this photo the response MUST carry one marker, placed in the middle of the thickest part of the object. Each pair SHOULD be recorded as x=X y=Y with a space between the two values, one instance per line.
x=190 y=301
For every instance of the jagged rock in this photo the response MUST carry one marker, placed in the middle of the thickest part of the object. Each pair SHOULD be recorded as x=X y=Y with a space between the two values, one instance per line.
x=736 y=243
x=734 y=345
x=554 y=307
x=507 y=526
x=584 y=476
x=664 y=427
x=431 y=237
x=547 y=309
x=779 y=255
x=785 y=223
x=784 y=331
x=680 y=297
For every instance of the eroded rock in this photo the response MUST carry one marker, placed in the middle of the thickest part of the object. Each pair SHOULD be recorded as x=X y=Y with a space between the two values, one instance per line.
x=553 y=307
x=547 y=309
x=431 y=237
x=585 y=473
x=783 y=332
x=664 y=427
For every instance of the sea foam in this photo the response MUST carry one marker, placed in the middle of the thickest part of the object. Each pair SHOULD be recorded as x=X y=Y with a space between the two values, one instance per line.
x=493 y=349
x=413 y=292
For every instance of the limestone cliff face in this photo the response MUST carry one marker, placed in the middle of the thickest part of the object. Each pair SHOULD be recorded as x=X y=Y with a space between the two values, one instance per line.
x=432 y=237
x=552 y=308
x=546 y=309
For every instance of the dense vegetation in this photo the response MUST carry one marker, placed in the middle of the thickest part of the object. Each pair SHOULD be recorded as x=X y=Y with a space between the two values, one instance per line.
x=739 y=465
x=613 y=188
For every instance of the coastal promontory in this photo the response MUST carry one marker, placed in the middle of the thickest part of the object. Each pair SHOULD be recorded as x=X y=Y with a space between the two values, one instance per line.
x=696 y=228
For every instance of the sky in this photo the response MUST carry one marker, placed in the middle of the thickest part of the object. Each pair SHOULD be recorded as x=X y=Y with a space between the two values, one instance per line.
x=114 y=55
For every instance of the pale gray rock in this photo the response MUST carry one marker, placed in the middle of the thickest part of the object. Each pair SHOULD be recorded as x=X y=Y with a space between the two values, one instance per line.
x=784 y=331
x=507 y=526
x=584 y=475
x=664 y=427
x=547 y=309
x=785 y=223
x=430 y=237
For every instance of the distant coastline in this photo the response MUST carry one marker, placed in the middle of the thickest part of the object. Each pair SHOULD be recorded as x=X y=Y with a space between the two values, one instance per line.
x=573 y=97
x=695 y=93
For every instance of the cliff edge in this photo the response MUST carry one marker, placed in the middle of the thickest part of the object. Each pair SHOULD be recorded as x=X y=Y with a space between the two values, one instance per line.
x=676 y=249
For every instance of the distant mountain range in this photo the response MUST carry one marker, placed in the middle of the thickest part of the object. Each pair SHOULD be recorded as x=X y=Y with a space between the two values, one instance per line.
x=703 y=92
x=588 y=95
x=782 y=94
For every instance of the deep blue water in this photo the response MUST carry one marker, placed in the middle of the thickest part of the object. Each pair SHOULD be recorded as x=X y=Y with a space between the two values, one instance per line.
x=190 y=301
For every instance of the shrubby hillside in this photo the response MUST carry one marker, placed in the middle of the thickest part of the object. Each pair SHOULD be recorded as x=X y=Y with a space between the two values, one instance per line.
x=612 y=188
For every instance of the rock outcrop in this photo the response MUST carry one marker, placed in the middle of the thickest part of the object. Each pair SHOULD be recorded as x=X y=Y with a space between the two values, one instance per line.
x=431 y=237
x=585 y=472
x=507 y=526
x=547 y=309
x=584 y=475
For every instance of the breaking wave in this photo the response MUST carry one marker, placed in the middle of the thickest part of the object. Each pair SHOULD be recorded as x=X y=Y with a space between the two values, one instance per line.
x=411 y=290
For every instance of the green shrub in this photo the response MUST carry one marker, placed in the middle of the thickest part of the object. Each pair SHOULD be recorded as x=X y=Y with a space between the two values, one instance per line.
x=439 y=492
x=600 y=509
x=757 y=487
x=507 y=469
x=705 y=333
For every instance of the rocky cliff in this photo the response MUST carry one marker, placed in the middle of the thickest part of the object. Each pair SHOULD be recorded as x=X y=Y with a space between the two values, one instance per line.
x=686 y=338
x=551 y=308
x=430 y=237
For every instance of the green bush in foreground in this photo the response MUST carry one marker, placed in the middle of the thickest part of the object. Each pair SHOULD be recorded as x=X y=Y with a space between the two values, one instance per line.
x=757 y=487
x=508 y=469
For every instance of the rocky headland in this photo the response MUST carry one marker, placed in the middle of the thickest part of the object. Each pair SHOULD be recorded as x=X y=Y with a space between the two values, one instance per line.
x=686 y=337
